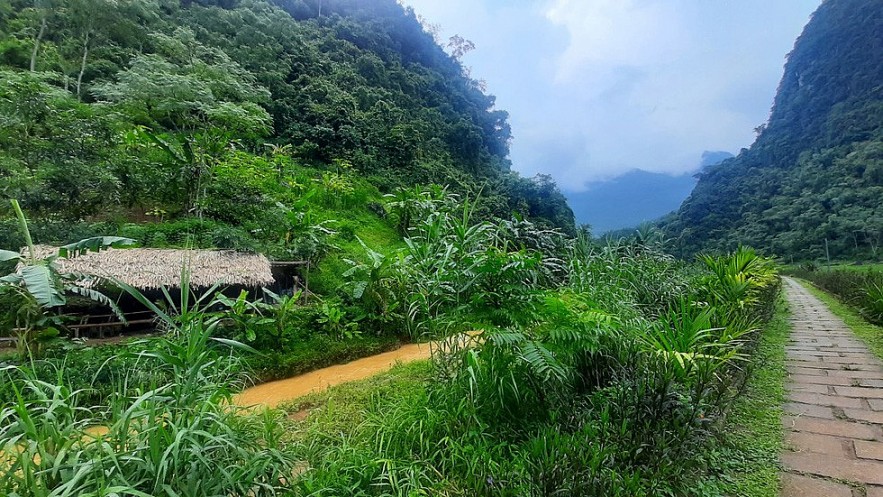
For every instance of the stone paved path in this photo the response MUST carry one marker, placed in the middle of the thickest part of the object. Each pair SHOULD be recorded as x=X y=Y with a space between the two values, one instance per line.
x=834 y=415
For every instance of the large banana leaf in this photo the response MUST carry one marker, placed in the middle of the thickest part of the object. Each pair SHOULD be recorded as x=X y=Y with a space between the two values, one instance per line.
x=93 y=244
x=8 y=261
x=39 y=282
x=185 y=158
x=99 y=297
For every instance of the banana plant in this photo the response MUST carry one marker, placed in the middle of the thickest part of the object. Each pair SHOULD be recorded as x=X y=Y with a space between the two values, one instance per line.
x=39 y=289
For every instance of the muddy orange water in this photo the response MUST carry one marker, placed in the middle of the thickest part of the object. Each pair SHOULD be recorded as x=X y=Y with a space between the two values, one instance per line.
x=273 y=393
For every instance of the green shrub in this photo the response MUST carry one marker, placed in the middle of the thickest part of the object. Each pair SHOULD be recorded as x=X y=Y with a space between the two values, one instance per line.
x=610 y=387
x=861 y=289
x=315 y=352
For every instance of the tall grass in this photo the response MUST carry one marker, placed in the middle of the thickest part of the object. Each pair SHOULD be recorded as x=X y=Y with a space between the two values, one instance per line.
x=608 y=379
x=590 y=371
x=454 y=269
x=179 y=438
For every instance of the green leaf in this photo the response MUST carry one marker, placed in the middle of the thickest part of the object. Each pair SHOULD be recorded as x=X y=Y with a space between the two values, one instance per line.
x=9 y=260
x=359 y=289
x=233 y=344
x=93 y=244
x=8 y=255
x=48 y=334
x=189 y=156
x=100 y=298
x=146 y=302
x=40 y=284
x=13 y=279
x=168 y=148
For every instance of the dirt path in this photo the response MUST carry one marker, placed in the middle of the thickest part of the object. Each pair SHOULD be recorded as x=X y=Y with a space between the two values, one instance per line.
x=834 y=417
x=273 y=393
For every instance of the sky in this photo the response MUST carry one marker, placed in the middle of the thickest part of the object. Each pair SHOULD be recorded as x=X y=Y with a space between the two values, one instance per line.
x=596 y=88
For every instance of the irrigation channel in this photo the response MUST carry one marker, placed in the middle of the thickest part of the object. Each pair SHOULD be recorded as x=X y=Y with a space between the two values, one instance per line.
x=275 y=392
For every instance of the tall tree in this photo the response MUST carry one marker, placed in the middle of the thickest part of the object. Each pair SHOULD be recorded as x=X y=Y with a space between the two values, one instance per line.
x=43 y=8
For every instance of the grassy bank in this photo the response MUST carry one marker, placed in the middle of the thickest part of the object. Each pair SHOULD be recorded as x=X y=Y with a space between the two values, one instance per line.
x=344 y=408
x=871 y=266
x=871 y=334
x=749 y=457
x=316 y=352
x=742 y=460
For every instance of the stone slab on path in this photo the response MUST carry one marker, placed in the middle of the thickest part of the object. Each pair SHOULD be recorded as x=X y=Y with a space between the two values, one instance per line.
x=834 y=415
x=803 y=486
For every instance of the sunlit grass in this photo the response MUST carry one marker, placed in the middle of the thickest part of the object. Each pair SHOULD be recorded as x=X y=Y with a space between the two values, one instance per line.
x=840 y=266
x=368 y=227
x=342 y=408
x=877 y=266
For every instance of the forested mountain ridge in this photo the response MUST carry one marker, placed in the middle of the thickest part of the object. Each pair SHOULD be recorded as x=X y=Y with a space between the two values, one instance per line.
x=236 y=112
x=815 y=171
x=618 y=206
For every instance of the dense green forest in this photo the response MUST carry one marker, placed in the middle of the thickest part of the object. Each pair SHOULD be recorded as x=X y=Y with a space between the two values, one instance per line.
x=815 y=172
x=240 y=123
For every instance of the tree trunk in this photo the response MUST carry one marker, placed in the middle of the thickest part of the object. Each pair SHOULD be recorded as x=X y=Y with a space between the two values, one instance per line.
x=37 y=40
x=83 y=66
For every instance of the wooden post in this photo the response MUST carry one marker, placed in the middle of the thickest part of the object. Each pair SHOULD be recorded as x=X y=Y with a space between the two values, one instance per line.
x=827 y=254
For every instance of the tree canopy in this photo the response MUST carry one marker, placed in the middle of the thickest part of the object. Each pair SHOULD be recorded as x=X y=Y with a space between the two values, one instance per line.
x=114 y=108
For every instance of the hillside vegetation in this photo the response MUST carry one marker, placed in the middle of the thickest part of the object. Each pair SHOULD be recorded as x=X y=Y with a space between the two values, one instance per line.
x=340 y=133
x=815 y=171
x=241 y=124
x=594 y=371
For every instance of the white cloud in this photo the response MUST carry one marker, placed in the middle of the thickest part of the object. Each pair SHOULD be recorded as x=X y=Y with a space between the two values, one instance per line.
x=596 y=88
x=606 y=34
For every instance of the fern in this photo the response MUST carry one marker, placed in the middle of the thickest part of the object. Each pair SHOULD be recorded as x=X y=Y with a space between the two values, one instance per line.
x=542 y=362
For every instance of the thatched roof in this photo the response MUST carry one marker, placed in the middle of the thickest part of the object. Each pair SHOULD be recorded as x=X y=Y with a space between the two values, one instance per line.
x=146 y=268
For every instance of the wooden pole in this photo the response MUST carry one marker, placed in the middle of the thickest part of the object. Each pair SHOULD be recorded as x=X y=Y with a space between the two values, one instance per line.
x=827 y=254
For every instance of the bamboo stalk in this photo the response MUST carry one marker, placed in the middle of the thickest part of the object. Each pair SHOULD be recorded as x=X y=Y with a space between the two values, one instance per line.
x=23 y=224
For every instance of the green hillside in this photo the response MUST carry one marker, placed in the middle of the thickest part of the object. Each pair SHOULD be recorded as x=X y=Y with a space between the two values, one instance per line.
x=240 y=124
x=815 y=171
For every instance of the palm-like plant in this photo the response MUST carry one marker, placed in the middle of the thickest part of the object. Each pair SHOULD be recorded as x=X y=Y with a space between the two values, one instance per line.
x=739 y=275
x=38 y=288
x=687 y=339
x=410 y=206
x=873 y=302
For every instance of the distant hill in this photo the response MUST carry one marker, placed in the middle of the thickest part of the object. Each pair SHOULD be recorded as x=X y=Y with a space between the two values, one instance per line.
x=636 y=197
x=815 y=171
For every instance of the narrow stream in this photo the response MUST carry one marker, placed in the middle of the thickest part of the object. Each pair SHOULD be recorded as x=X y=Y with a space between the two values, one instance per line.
x=275 y=392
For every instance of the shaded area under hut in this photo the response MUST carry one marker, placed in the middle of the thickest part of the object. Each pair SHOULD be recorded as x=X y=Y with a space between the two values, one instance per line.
x=153 y=270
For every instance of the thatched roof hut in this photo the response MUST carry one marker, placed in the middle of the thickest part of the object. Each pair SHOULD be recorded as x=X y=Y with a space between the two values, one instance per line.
x=147 y=269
